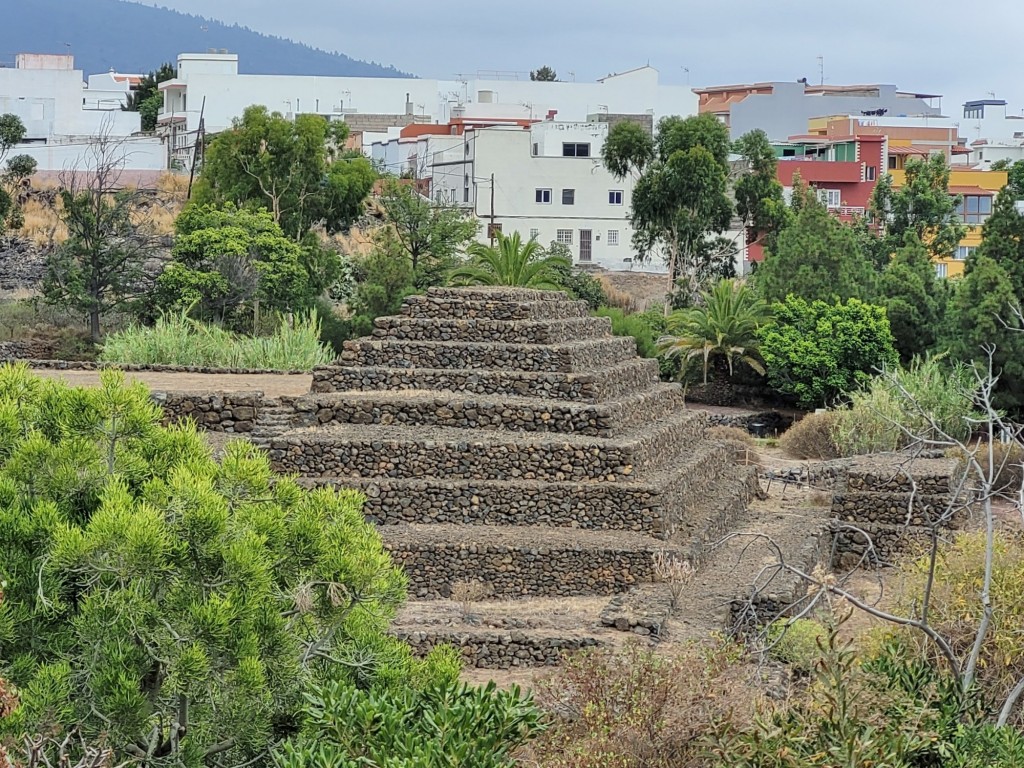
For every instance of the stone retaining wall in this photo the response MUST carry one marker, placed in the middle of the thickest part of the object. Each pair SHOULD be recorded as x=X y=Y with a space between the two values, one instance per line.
x=518 y=571
x=460 y=411
x=626 y=378
x=403 y=328
x=411 y=452
x=212 y=411
x=460 y=309
x=582 y=355
x=895 y=509
x=497 y=649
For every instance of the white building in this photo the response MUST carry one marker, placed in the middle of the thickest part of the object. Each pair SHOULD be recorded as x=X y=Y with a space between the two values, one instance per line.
x=545 y=181
x=993 y=134
x=210 y=83
x=109 y=90
x=62 y=118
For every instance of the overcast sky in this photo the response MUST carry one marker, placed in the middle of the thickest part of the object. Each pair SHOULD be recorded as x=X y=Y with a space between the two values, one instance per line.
x=936 y=46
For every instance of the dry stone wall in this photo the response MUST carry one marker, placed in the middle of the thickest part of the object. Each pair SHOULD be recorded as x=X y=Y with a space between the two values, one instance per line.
x=213 y=411
x=888 y=506
x=497 y=649
x=504 y=435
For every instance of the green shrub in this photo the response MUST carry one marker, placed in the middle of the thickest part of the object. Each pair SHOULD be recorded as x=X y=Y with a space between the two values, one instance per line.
x=144 y=581
x=927 y=400
x=797 y=643
x=179 y=340
x=444 y=725
x=646 y=327
x=812 y=437
x=817 y=352
x=955 y=610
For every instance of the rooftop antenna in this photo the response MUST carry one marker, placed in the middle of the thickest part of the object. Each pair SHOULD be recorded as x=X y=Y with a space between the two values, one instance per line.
x=687 y=71
x=573 y=76
x=821 y=69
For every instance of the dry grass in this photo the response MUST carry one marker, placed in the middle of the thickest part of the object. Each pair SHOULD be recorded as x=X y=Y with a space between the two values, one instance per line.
x=44 y=228
x=467 y=592
x=813 y=437
x=742 y=442
x=616 y=298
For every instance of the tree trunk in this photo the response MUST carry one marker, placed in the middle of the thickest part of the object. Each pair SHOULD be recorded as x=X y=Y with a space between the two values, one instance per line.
x=94 y=324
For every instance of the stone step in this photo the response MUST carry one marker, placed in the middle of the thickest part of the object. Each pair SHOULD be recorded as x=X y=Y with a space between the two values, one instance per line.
x=596 y=385
x=491 y=309
x=344 y=450
x=529 y=561
x=504 y=634
x=569 y=357
x=494 y=293
x=402 y=328
x=521 y=414
x=677 y=499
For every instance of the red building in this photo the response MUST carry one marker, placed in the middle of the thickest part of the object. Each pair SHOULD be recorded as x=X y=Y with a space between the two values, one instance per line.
x=842 y=171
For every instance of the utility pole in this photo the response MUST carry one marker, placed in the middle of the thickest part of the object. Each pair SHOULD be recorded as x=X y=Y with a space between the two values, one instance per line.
x=491 y=227
x=200 y=139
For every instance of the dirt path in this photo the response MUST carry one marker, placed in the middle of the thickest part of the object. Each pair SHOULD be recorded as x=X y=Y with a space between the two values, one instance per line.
x=270 y=384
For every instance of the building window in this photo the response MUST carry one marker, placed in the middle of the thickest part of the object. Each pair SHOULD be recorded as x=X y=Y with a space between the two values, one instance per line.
x=832 y=198
x=534 y=234
x=465 y=194
x=570 y=149
x=467 y=149
x=568 y=197
x=974 y=209
x=536 y=149
x=940 y=270
x=564 y=236
x=870 y=173
x=544 y=196
x=964 y=252
x=615 y=197
x=493 y=230
x=613 y=237
x=892 y=162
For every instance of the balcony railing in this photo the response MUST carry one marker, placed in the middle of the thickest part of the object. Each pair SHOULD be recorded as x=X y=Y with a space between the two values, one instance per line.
x=850 y=210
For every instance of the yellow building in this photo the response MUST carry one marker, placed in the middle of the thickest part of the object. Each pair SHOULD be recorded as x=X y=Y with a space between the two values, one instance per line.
x=978 y=190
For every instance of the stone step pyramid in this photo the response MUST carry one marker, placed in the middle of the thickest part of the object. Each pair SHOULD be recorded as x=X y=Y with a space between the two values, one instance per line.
x=504 y=435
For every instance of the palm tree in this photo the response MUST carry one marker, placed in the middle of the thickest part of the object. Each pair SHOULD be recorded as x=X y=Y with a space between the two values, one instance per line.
x=725 y=325
x=511 y=262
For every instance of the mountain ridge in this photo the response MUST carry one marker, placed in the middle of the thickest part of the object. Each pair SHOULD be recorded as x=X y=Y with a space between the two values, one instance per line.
x=105 y=34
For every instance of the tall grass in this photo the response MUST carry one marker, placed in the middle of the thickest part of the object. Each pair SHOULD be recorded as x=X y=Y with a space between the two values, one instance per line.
x=929 y=399
x=180 y=340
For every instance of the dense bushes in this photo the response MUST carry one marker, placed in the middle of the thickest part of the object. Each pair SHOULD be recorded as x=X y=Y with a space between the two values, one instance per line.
x=813 y=437
x=444 y=724
x=816 y=351
x=167 y=604
x=178 y=340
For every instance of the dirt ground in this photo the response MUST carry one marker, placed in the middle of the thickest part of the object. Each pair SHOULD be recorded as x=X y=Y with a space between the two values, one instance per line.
x=270 y=384
x=646 y=287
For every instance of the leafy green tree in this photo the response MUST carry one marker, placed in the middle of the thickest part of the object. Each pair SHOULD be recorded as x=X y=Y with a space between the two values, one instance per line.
x=544 y=75
x=230 y=263
x=172 y=606
x=725 y=325
x=816 y=257
x=981 y=320
x=432 y=235
x=147 y=99
x=296 y=169
x=579 y=283
x=815 y=351
x=680 y=200
x=913 y=302
x=510 y=262
x=758 y=192
x=1002 y=239
x=101 y=266
x=448 y=725
x=13 y=173
x=1015 y=176
x=922 y=206
x=383 y=279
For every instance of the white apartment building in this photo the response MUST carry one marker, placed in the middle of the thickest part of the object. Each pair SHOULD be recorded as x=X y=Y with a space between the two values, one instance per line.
x=546 y=182
x=62 y=117
x=993 y=133
x=210 y=83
